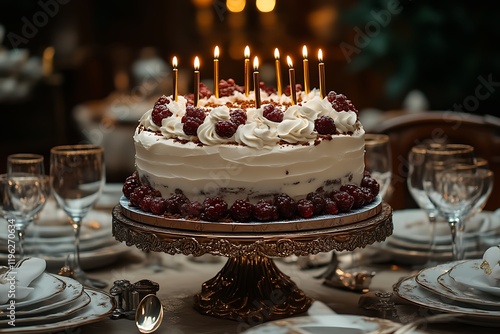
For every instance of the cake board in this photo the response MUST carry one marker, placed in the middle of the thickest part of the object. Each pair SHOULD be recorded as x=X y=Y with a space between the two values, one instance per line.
x=250 y=287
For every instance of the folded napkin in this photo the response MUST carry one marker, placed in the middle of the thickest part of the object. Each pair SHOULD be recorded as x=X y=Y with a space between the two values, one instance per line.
x=15 y=282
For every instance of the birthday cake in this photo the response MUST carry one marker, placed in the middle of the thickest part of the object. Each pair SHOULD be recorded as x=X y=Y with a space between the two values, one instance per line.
x=227 y=160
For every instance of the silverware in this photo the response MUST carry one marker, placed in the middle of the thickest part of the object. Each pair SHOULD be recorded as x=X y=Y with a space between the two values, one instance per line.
x=149 y=314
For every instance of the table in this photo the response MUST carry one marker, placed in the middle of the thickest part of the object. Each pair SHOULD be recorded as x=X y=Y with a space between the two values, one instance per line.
x=182 y=279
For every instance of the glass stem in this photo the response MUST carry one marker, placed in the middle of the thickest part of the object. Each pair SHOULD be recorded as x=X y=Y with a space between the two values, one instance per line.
x=457 y=227
x=76 y=222
x=432 y=241
x=20 y=242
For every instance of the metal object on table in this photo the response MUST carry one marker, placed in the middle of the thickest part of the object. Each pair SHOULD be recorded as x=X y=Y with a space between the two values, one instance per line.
x=338 y=278
x=128 y=296
x=250 y=287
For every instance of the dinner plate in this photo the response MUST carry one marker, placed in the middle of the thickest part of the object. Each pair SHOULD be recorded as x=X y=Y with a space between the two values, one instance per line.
x=45 y=286
x=469 y=274
x=409 y=290
x=93 y=259
x=52 y=315
x=100 y=307
x=72 y=291
x=434 y=279
x=38 y=246
x=413 y=226
x=325 y=324
x=58 y=229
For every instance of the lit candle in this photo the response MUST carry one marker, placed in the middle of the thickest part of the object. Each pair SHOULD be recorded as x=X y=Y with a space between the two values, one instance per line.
x=247 y=70
x=256 y=82
x=216 y=71
x=175 y=78
x=321 y=69
x=291 y=74
x=196 y=81
x=306 y=69
x=278 y=70
x=48 y=61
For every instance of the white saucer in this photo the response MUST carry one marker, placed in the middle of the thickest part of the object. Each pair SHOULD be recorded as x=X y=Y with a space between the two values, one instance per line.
x=323 y=324
x=469 y=274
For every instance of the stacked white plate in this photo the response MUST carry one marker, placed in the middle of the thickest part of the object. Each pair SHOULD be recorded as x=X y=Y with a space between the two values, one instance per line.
x=51 y=237
x=409 y=243
x=458 y=287
x=56 y=303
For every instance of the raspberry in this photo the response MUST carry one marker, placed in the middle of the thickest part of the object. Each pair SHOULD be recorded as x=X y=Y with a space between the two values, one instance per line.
x=162 y=100
x=174 y=203
x=138 y=194
x=273 y=113
x=227 y=88
x=372 y=184
x=158 y=205
x=305 y=208
x=238 y=116
x=191 y=209
x=215 y=208
x=129 y=186
x=344 y=201
x=286 y=206
x=160 y=111
x=265 y=211
x=325 y=125
x=190 y=127
x=368 y=194
x=331 y=207
x=268 y=90
x=318 y=202
x=195 y=112
x=241 y=210
x=204 y=91
x=340 y=102
x=225 y=129
x=145 y=203
x=356 y=193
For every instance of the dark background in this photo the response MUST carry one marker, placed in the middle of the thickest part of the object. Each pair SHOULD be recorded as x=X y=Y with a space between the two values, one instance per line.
x=438 y=47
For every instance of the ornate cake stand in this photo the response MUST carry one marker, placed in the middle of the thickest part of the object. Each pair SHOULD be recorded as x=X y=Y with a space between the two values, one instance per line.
x=250 y=287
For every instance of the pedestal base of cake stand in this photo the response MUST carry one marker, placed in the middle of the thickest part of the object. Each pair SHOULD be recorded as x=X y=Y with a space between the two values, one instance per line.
x=251 y=289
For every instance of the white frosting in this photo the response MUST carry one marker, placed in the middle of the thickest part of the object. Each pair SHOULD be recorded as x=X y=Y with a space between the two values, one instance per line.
x=261 y=159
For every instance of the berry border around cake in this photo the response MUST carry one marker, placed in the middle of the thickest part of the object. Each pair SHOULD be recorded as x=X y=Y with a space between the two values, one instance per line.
x=294 y=225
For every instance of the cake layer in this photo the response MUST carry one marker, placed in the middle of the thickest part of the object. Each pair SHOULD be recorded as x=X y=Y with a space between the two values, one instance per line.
x=260 y=157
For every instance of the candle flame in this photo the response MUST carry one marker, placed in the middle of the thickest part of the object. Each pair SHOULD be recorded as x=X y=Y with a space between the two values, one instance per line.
x=289 y=61
x=320 y=56
x=304 y=52
x=247 y=52
x=216 y=52
x=196 y=63
x=174 y=62
x=256 y=63
x=276 y=54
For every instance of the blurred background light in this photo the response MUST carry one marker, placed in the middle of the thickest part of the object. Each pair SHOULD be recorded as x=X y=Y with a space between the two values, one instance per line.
x=235 y=6
x=265 y=6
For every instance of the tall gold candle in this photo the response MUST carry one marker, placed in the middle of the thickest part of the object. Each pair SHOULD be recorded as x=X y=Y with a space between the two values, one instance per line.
x=256 y=82
x=247 y=70
x=216 y=72
x=321 y=70
x=305 y=61
x=291 y=75
x=175 y=78
x=196 y=81
x=278 y=71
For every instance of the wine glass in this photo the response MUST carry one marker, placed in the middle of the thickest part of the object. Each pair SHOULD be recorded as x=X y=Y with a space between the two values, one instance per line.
x=77 y=179
x=25 y=189
x=416 y=169
x=454 y=189
x=378 y=161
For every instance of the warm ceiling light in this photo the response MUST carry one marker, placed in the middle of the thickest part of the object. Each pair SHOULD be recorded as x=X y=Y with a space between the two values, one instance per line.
x=265 y=6
x=235 y=6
